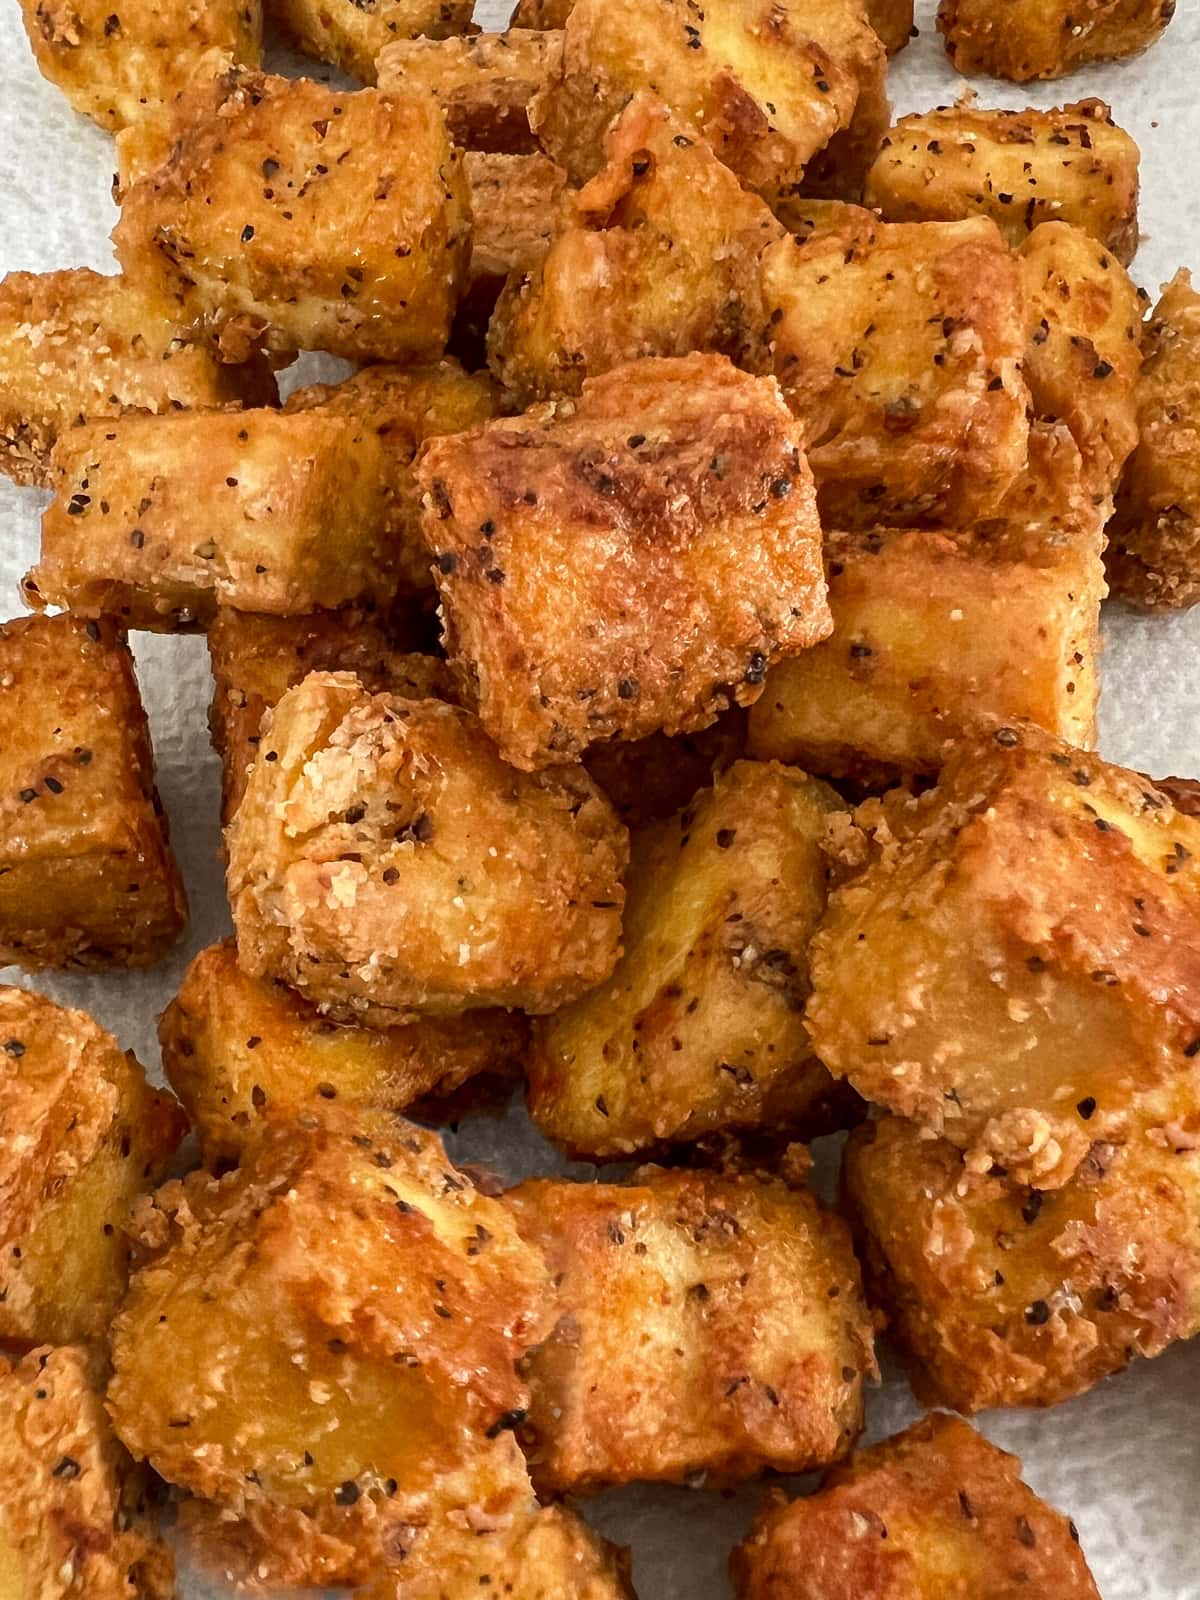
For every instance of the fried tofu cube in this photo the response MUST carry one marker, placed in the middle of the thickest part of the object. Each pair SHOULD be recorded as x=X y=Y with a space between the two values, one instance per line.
x=1021 y=168
x=70 y=1522
x=951 y=1507
x=650 y=779
x=1033 y=39
x=657 y=256
x=74 y=344
x=325 y=221
x=87 y=878
x=700 y=1027
x=706 y=1324
x=935 y=634
x=242 y=1051
x=1154 y=538
x=352 y=35
x=385 y=862
x=892 y=21
x=483 y=83
x=1006 y=1296
x=336 y=1412
x=1022 y=960
x=626 y=563
x=114 y=64
x=83 y=1137
x=899 y=347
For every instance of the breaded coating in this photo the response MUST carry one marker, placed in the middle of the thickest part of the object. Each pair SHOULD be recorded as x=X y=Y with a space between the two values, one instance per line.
x=1006 y=1296
x=1021 y=962
x=241 y=1051
x=656 y=256
x=483 y=83
x=840 y=169
x=336 y=1413
x=256 y=660
x=627 y=563
x=805 y=214
x=542 y=13
x=351 y=35
x=935 y=634
x=700 y=1027
x=70 y=1520
x=1029 y=39
x=386 y=862
x=892 y=21
x=322 y=221
x=650 y=779
x=899 y=348
x=936 y=1510
x=1021 y=168
x=82 y=1136
x=1154 y=538
x=87 y=878
x=74 y=344
x=767 y=87
x=113 y=59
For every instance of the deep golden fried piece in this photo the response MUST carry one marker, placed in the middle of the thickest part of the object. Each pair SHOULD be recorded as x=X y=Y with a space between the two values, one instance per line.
x=81 y=1137
x=241 y=1051
x=483 y=84
x=1022 y=961
x=339 y=1413
x=899 y=348
x=1021 y=168
x=74 y=344
x=113 y=59
x=386 y=862
x=1028 y=39
x=892 y=21
x=626 y=563
x=87 y=878
x=699 y=1028
x=934 y=634
x=327 y=221
x=70 y=1523
x=650 y=779
x=936 y=1510
x=1004 y=1296
x=707 y=1324
x=1154 y=539
x=656 y=256
x=542 y=13
x=351 y=35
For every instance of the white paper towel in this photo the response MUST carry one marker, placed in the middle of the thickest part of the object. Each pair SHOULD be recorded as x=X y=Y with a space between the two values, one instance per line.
x=1124 y=1461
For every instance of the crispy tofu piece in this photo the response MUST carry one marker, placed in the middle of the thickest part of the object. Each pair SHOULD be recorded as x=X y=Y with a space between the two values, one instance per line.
x=953 y=1510
x=1007 y=1296
x=839 y=171
x=114 y=64
x=336 y=1412
x=352 y=35
x=386 y=862
x=483 y=83
x=935 y=634
x=899 y=348
x=70 y=1520
x=1032 y=39
x=1021 y=168
x=242 y=1051
x=256 y=660
x=324 y=221
x=892 y=21
x=656 y=256
x=626 y=563
x=650 y=779
x=700 y=1027
x=1021 y=963
x=74 y=344
x=1154 y=539
x=83 y=1138
x=706 y=1325
x=87 y=878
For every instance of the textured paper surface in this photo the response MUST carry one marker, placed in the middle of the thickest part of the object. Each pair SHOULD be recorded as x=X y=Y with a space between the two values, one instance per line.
x=1124 y=1460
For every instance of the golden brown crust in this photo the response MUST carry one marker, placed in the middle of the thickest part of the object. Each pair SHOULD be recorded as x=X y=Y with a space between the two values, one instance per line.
x=1029 y=39
x=892 y=21
x=628 y=563
x=483 y=83
x=706 y=1325
x=87 y=878
x=327 y=221
x=542 y=13
x=386 y=862
x=352 y=36
x=934 y=1510
x=515 y=202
